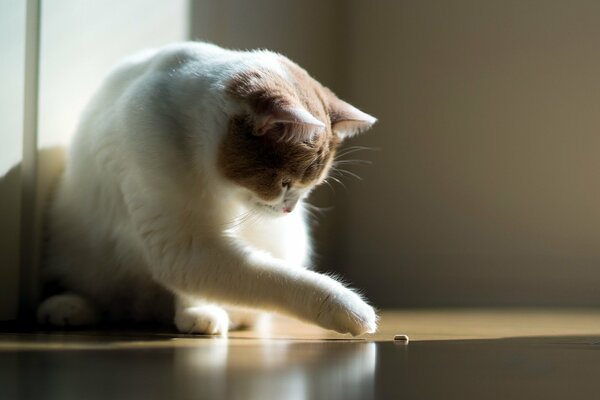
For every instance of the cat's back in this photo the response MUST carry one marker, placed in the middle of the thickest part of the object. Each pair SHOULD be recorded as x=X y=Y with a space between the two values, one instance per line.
x=199 y=61
x=165 y=60
x=170 y=58
x=191 y=69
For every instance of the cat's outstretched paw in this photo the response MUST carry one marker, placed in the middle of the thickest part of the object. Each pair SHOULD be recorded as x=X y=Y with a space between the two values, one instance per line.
x=346 y=312
x=67 y=310
x=205 y=319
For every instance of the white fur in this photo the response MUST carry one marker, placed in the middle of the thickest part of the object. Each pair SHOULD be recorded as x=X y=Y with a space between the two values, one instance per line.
x=142 y=213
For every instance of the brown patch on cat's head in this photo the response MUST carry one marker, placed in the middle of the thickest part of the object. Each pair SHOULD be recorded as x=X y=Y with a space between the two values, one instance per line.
x=285 y=139
x=266 y=165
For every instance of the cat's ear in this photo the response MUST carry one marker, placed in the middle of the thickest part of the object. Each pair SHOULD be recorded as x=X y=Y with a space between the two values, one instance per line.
x=285 y=113
x=269 y=102
x=347 y=120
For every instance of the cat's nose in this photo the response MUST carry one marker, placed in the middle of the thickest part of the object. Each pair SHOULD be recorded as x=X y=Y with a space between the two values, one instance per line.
x=289 y=203
x=288 y=207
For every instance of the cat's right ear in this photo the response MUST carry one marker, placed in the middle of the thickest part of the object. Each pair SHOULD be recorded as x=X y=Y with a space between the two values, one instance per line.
x=269 y=102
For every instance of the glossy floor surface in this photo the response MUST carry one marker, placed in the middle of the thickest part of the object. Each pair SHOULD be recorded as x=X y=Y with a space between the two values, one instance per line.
x=485 y=354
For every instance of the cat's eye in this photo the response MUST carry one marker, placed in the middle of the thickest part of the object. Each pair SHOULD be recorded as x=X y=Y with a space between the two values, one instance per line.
x=286 y=183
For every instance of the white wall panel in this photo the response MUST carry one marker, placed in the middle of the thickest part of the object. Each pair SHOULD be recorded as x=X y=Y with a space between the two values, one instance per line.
x=12 y=68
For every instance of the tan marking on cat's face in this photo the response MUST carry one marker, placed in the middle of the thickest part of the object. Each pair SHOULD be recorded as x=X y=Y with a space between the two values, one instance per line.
x=263 y=163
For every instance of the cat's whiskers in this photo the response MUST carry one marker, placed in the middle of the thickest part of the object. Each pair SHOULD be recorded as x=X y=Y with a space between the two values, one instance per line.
x=241 y=219
x=345 y=171
x=353 y=149
x=339 y=161
x=315 y=209
x=248 y=219
x=255 y=217
x=326 y=181
x=338 y=181
x=353 y=162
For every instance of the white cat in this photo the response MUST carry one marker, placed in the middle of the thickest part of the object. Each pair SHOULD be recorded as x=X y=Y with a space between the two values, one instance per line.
x=182 y=195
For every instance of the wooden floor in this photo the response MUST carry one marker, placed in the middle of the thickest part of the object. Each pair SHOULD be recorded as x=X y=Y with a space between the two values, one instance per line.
x=460 y=354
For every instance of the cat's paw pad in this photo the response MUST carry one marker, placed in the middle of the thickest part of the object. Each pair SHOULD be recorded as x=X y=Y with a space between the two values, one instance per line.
x=346 y=312
x=207 y=319
x=66 y=310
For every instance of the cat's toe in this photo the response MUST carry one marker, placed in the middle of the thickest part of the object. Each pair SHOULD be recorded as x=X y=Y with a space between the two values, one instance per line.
x=66 y=310
x=346 y=312
x=207 y=320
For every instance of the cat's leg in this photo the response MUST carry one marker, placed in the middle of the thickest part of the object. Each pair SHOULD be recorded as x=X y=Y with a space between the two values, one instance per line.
x=284 y=238
x=67 y=309
x=225 y=270
x=194 y=316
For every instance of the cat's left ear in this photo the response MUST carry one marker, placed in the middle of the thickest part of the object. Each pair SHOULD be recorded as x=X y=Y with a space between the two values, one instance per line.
x=347 y=120
x=269 y=100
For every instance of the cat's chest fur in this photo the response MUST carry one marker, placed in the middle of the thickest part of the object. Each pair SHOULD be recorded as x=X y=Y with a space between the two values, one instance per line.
x=285 y=238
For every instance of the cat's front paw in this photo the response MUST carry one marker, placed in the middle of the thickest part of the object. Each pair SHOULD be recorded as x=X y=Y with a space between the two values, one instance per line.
x=207 y=319
x=346 y=312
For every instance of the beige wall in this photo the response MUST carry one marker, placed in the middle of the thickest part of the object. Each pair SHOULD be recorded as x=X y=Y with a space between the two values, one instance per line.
x=486 y=190
x=304 y=30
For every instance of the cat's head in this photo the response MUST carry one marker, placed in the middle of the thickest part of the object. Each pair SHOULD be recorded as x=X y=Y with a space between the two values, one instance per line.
x=283 y=141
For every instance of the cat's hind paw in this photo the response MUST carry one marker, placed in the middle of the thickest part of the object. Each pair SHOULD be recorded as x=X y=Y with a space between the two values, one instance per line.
x=67 y=309
x=205 y=319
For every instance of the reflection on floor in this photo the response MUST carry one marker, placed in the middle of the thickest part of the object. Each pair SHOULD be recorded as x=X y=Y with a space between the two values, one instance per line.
x=484 y=354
